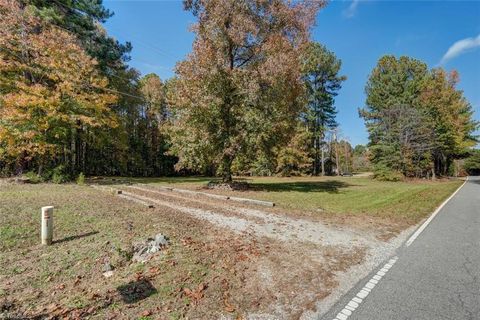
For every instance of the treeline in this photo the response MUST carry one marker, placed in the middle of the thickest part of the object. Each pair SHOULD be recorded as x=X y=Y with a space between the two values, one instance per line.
x=69 y=102
x=471 y=164
x=418 y=122
x=256 y=96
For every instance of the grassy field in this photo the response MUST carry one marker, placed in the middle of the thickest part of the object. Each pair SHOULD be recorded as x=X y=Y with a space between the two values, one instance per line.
x=205 y=273
x=407 y=202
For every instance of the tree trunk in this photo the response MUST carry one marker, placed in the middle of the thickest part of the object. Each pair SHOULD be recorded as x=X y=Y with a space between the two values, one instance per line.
x=346 y=157
x=73 y=151
x=227 y=168
x=446 y=164
x=323 y=162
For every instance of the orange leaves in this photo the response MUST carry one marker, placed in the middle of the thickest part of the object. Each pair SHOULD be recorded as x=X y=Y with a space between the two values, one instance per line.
x=195 y=294
x=188 y=241
x=146 y=313
x=242 y=78
x=228 y=306
x=49 y=83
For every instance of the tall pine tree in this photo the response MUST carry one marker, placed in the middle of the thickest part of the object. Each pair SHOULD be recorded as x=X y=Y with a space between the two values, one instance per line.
x=321 y=75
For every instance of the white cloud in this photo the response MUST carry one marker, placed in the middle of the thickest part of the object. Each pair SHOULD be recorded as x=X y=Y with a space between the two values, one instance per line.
x=460 y=47
x=352 y=9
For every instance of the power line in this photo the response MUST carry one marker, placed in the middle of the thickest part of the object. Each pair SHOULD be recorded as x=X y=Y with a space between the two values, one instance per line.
x=44 y=73
x=145 y=43
x=148 y=45
x=97 y=40
x=160 y=51
x=71 y=8
x=120 y=92
x=70 y=31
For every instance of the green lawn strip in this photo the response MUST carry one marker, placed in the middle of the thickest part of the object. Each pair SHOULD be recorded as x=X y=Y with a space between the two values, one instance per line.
x=337 y=196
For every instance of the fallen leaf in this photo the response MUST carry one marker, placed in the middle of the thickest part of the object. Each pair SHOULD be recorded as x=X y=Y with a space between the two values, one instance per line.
x=195 y=294
x=228 y=306
x=146 y=313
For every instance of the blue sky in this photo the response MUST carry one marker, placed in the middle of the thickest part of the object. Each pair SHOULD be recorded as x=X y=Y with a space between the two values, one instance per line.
x=359 y=32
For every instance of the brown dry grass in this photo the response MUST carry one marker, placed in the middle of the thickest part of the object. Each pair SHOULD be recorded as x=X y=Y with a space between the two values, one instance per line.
x=205 y=273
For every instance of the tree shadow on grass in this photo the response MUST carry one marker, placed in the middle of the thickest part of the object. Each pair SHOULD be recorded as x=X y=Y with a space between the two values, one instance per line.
x=78 y=236
x=329 y=186
x=135 y=291
x=148 y=180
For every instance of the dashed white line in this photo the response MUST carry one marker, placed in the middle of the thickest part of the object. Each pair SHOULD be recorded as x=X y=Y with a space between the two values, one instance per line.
x=425 y=224
x=353 y=304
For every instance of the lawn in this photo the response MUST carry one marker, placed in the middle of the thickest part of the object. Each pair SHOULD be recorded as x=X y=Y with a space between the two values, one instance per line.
x=90 y=228
x=408 y=202
x=206 y=272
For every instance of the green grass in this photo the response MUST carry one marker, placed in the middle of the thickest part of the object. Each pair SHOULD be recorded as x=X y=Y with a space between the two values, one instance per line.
x=90 y=226
x=340 y=196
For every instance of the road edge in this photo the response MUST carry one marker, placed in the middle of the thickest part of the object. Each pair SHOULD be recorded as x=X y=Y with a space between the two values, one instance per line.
x=432 y=216
x=354 y=303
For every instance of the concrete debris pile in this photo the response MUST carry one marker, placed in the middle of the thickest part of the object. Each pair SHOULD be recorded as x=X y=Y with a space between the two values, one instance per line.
x=143 y=251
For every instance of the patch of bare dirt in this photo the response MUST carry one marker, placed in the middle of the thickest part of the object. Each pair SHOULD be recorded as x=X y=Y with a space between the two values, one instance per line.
x=261 y=222
x=228 y=186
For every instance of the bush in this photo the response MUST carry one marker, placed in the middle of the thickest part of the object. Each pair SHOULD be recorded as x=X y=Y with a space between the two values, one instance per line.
x=33 y=177
x=262 y=166
x=81 y=179
x=58 y=175
x=383 y=173
x=472 y=163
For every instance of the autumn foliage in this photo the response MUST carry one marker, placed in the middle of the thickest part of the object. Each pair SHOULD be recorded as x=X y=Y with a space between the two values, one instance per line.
x=418 y=121
x=50 y=88
x=240 y=90
x=256 y=95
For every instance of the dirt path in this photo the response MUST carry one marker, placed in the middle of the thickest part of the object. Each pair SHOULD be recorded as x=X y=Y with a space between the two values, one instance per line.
x=262 y=223
x=314 y=238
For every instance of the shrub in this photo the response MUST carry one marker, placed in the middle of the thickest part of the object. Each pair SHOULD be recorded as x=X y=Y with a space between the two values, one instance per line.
x=58 y=175
x=383 y=173
x=81 y=179
x=33 y=177
x=472 y=163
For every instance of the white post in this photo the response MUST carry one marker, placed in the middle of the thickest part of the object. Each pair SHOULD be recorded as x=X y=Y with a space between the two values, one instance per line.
x=47 y=225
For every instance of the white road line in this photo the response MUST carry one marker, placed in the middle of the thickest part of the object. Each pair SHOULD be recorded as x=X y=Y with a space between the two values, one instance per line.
x=432 y=216
x=353 y=304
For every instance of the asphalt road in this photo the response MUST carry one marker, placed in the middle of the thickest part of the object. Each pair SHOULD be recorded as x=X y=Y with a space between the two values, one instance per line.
x=436 y=277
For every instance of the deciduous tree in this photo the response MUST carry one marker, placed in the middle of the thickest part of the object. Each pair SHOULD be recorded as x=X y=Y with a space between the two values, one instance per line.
x=242 y=81
x=50 y=90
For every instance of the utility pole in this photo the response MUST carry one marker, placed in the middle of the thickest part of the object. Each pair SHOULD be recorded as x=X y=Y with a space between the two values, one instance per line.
x=336 y=151
x=346 y=156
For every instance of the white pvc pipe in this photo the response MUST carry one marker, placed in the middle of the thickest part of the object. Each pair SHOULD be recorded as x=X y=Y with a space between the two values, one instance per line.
x=47 y=225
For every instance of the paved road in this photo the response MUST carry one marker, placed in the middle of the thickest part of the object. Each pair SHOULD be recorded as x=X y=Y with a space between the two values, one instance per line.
x=437 y=276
